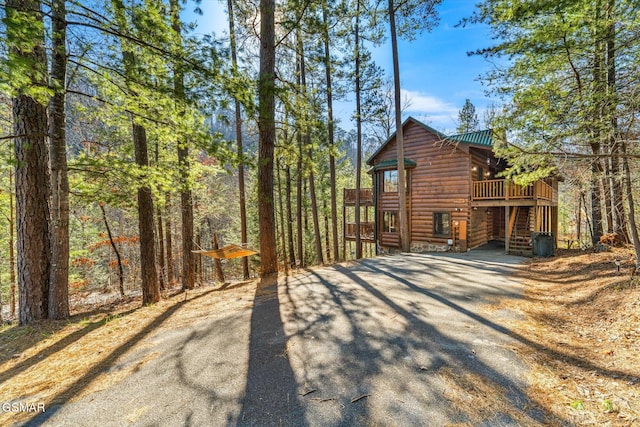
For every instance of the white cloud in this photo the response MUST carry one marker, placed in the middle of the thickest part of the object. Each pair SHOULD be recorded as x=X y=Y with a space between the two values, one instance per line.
x=424 y=103
x=431 y=110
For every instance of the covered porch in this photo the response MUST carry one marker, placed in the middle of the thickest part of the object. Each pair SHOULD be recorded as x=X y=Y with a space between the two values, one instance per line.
x=521 y=216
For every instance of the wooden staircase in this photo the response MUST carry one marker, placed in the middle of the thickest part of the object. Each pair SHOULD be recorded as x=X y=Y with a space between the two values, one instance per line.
x=521 y=224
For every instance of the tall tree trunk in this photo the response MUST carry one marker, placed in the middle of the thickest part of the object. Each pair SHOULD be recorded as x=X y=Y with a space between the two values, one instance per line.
x=160 y=235
x=579 y=222
x=281 y=212
x=299 y=183
x=115 y=250
x=330 y=128
x=305 y=207
x=169 y=246
x=32 y=168
x=314 y=216
x=598 y=174
x=620 y=215
x=299 y=219
x=241 y=191
x=186 y=207
x=631 y=204
x=199 y=257
x=402 y=196
x=327 y=232
x=586 y=215
x=358 y=132
x=149 y=275
x=186 y=210
x=292 y=255
x=606 y=185
x=32 y=208
x=267 y=135
x=12 y=256
x=161 y=274
x=307 y=140
x=217 y=262
x=59 y=279
x=596 y=202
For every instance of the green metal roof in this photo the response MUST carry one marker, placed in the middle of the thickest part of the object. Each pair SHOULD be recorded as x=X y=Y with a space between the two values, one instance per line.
x=480 y=137
x=393 y=163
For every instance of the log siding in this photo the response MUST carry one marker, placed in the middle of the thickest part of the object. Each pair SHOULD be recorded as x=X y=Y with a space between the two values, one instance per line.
x=441 y=179
x=440 y=182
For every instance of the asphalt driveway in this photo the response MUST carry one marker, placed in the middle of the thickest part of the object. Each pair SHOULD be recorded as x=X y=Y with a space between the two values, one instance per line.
x=398 y=340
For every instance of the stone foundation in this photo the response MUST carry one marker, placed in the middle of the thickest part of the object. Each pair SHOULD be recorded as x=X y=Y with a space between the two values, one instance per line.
x=420 y=247
x=416 y=247
x=385 y=250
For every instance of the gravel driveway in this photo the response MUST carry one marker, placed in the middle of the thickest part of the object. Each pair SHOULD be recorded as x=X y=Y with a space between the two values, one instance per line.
x=401 y=340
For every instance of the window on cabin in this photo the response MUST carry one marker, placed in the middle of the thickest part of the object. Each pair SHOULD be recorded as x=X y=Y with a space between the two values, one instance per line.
x=390 y=181
x=442 y=224
x=390 y=222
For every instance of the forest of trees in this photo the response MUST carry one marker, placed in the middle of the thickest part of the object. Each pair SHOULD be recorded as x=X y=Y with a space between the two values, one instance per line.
x=128 y=141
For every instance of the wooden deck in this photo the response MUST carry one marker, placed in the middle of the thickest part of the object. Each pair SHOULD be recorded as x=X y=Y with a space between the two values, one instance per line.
x=366 y=196
x=502 y=189
x=366 y=231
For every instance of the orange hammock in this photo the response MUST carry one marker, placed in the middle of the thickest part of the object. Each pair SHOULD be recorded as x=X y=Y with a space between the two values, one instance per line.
x=227 y=252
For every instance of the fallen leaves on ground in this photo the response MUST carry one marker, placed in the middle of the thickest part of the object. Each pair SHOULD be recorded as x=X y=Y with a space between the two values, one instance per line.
x=584 y=316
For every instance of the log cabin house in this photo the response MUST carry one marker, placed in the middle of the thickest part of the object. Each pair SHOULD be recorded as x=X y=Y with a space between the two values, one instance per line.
x=454 y=199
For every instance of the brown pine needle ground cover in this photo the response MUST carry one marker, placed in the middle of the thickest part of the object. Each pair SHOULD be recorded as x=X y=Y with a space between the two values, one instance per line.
x=587 y=315
x=51 y=362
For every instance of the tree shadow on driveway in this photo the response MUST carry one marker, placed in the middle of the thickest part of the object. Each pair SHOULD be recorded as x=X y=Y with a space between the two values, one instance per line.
x=357 y=332
x=271 y=393
x=395 y=273
x=82 y=383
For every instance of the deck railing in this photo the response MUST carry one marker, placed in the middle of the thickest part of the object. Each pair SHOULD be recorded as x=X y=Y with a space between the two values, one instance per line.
x=366 y=196
x=502 y=189
x=544 y=191
x=366 y=230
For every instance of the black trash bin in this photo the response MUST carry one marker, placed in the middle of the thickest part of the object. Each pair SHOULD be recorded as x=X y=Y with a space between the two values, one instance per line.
x=543 y=245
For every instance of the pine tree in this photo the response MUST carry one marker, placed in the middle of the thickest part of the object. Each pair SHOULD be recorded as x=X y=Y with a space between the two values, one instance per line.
x=25 y=30
x=267 y=131
x=467 y=118
x=412 y=16
x=150 y=284
x=59 y=280
x=186 y=202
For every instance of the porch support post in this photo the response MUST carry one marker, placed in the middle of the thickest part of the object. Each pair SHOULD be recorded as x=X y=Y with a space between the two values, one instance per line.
x=554 y=224
x=507 y=228
x=344 y=231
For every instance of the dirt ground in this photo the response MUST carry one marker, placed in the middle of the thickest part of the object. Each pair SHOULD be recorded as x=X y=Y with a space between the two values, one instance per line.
x=581 y=307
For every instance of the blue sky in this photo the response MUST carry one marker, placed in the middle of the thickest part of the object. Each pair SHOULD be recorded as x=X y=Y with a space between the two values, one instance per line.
x=436 y=73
